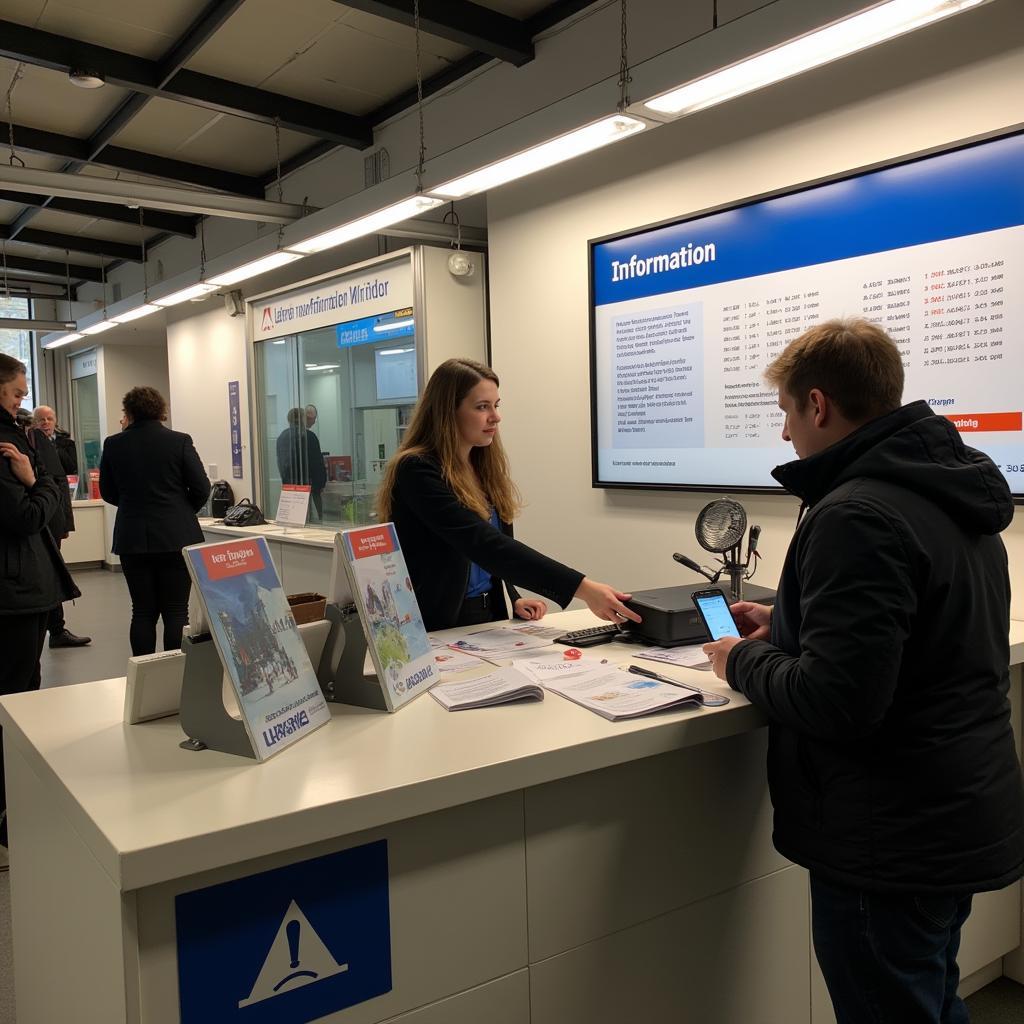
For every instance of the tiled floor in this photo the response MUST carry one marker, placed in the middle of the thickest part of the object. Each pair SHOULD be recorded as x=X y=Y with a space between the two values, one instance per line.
x=104 y=611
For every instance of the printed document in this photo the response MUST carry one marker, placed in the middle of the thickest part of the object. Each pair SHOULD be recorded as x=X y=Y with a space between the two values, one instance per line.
x=498 y=687
x=617 y=695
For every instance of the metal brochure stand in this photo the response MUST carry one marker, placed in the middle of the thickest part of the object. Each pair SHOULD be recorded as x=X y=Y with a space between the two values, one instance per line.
x=204 y=719
x=341 y=667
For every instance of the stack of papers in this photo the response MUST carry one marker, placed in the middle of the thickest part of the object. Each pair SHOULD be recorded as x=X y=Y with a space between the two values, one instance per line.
x=498 y=687
x=688 y=657
x=500 y=642
x=617 y=695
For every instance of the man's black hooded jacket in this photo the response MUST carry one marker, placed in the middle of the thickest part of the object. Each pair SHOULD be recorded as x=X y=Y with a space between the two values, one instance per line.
x=891 y=757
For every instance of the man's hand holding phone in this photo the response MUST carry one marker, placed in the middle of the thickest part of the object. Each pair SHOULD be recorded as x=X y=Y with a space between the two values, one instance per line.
x=754 y=620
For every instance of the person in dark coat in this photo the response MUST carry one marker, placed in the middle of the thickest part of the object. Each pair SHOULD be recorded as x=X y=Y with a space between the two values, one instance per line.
x=44 y=436
x=884 y=673
x=299 y=457
x=155 y=478
x=33 y=577
x=451 y=498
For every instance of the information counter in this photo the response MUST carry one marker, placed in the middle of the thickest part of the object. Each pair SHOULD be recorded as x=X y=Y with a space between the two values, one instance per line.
x=85 y=544
x=543 y=865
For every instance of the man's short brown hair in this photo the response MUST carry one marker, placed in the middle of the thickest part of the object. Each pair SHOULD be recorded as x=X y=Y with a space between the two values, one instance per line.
x=145 y=403
x=854 y=362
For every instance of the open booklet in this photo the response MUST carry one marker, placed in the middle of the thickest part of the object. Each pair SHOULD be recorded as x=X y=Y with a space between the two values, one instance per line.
x=616 y=695
x=498 y=687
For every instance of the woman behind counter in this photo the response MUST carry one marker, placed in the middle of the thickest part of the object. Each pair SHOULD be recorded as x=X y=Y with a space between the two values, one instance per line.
x=154 y=477
x=452 y=500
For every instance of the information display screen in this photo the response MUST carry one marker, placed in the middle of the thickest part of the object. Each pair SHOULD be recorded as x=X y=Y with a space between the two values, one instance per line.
x=686 y=316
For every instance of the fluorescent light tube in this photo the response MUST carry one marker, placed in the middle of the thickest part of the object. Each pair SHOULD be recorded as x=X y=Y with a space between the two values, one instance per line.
x=260 y=266
x=193 y=291
x=103 y=325
x=547 y=154
x=367 y=225
x=393 y=351
x=827 y=44
x=381 y=328
x=135 y=314
x=66 y=340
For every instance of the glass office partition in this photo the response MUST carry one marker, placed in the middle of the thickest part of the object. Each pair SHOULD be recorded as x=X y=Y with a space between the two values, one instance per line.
x=85 y=402
x=333 y=404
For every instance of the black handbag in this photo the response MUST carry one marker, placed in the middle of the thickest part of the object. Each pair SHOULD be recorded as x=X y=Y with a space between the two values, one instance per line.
x=245 y=513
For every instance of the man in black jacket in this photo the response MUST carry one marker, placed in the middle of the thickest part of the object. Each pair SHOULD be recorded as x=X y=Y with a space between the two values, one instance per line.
x=57 y=452
x=883 y=671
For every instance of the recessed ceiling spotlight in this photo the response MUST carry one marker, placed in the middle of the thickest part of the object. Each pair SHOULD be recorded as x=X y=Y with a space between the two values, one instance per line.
x=87 y=78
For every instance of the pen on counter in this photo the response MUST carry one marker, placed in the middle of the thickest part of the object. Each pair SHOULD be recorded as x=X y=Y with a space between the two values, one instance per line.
x=710 y=697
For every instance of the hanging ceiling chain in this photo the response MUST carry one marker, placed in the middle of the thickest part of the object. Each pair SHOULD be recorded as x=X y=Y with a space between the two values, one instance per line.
x=457 y=221
x=624 y=76
x=419 y=96
x=142 y=246
x=202 y=248
x=103 y=277
x=14 y=158
x=67 y=279
x=277 y=153
x=7 y=286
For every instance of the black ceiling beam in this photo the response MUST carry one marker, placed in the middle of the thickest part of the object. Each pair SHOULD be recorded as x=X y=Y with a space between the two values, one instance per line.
x=77 y=243
x=59 y=53
x=82 y=151
x=175 y=223
x=54 y=269
x=459 y=21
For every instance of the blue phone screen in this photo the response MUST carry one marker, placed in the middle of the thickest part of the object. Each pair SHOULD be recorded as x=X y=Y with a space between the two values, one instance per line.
x=716 y=614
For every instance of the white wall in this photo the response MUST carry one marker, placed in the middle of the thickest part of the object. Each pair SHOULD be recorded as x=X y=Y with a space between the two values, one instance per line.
x=205 y=351
x=935 y=87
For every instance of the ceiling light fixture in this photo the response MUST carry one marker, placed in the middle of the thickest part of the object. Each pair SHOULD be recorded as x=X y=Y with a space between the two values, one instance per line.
x=547 y=154
x=19 y=324
x=66 y=340
x=822 y=46
x=394 y=325
x=260 y=266
x=135 y=314
x=87 y=78
x=366 y=225
x=103 y=325
x=193 y=291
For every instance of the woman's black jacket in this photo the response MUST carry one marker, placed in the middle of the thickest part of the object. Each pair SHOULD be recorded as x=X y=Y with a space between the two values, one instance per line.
x=33 y=576
x=440 y=537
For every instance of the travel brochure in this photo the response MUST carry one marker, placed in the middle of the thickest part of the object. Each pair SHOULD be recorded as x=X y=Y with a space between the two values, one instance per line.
x=500 y=686
x=397 y=640
x=258 y=641
x=617 y=695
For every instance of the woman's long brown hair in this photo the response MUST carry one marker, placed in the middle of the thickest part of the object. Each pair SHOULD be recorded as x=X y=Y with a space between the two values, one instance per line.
x=434 y=432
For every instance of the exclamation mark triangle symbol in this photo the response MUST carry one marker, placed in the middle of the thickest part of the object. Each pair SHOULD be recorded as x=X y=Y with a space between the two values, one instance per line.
x=297 y=957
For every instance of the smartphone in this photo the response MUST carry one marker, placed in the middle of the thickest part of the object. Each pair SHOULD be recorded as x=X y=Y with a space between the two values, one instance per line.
x=713 y=608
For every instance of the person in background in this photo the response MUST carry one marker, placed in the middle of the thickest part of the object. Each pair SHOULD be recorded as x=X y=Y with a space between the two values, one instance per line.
x=57 y=452
x=155 y=478
x=317 y=469
x=883 y=670
x=452 y=500
x=33 y=577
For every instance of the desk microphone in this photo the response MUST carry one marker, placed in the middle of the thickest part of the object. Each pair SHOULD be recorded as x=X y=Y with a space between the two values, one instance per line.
x=691 y=564
x=755 y=533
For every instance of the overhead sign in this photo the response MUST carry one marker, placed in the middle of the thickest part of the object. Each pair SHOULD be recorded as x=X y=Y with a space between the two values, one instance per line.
x=396 y=324
x=289 y=945
x=378 y=289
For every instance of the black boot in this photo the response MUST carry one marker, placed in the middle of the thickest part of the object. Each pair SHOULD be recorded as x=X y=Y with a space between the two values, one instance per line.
x=65 y=638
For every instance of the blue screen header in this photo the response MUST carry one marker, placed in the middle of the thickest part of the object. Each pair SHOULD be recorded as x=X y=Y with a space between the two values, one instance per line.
x=385 y=327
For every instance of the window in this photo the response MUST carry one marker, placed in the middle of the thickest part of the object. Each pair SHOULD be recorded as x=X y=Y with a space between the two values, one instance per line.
x=19 y=343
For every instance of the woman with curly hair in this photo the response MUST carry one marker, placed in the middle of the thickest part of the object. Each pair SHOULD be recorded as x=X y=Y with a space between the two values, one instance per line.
x=155 y=478
x=450 y=495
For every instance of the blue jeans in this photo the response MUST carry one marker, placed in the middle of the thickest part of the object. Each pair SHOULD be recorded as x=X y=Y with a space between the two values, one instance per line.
x=889 y=958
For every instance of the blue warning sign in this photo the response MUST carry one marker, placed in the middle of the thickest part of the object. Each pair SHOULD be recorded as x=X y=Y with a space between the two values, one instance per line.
x=289 y=945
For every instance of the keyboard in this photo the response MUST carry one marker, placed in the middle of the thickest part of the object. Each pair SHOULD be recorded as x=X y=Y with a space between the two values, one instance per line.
x=590 y=637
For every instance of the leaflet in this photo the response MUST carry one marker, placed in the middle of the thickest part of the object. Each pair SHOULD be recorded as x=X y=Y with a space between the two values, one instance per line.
x=687 y=657
x=447 y=661
x=498 y=641
x=499 y=687
x=616 y=695
x=558 y=664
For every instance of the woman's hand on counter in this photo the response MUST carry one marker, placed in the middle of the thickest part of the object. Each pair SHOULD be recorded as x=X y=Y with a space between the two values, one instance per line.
x=529 y=608
x=604 y=601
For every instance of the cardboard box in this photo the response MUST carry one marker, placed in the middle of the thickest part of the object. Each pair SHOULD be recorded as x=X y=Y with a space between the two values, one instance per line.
x=307 y=607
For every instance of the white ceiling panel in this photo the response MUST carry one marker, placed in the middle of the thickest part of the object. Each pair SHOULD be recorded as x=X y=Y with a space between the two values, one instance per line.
x=145 y=28
x=405 y=37
x=40 y=252
x=518 y=9
x=46 y=99
x=347 y=69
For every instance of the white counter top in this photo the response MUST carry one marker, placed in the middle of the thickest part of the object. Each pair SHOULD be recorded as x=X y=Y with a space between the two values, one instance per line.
x=150 y=811
x=322 y=537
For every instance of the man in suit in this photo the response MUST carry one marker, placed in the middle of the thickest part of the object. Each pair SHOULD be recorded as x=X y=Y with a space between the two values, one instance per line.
x=57 y=452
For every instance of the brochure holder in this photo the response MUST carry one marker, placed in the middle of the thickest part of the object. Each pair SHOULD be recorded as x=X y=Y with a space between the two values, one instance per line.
x=204 y=719
x=341 y=667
